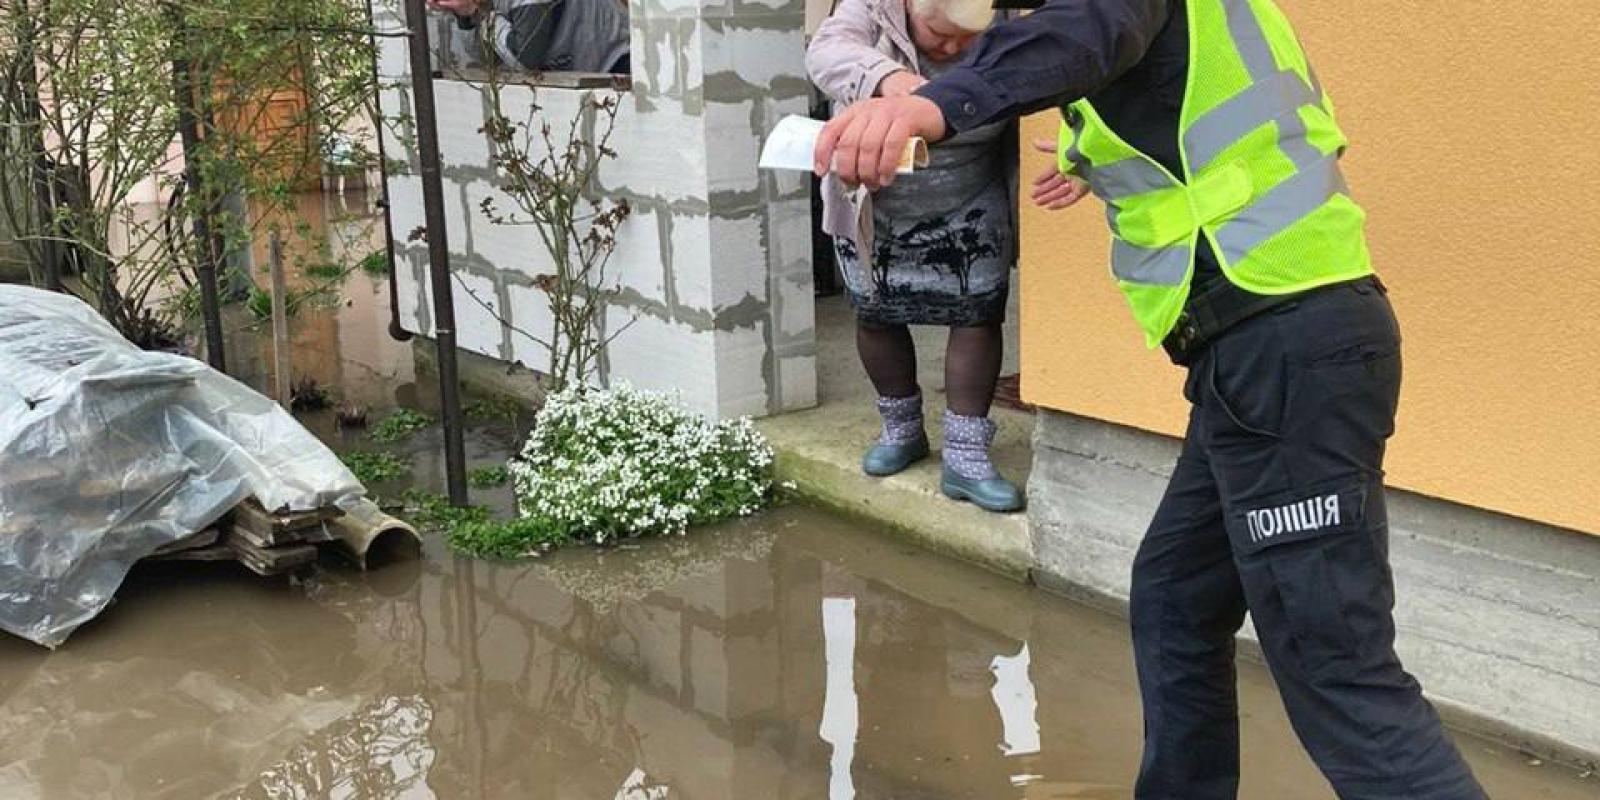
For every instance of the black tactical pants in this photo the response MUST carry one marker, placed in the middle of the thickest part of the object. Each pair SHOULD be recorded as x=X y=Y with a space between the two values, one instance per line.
x=1276 y=506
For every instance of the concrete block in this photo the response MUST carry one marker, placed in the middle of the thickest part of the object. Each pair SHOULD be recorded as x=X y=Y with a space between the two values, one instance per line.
x=508 y=247
x=462 y=142
x=531 y=314
x=797 y=383
x=637 y=262
x=478 y=327
x=789 y=230
x=659 y=154
x=691 y=251
x=662 y=64
x=795 y=312
x=738 y=148
x=739 y=259
x=740 y=369
x=754 y=56
x=664 y=356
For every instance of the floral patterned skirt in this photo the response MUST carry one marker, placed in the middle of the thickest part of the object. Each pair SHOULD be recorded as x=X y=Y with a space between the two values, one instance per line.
x=951 y=269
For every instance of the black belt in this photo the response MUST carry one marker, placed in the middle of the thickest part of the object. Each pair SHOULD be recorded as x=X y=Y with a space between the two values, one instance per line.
x=1208 y=314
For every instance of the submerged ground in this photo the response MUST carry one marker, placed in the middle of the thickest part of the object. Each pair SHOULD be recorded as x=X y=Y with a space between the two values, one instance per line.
x=793 y=656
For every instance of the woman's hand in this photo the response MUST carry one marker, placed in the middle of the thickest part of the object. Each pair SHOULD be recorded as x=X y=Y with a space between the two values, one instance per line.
x=900 y=83
x=460 y=8
x=1052 y=190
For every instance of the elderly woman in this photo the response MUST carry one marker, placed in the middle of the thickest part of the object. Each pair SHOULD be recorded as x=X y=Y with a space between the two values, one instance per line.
x=935 y=248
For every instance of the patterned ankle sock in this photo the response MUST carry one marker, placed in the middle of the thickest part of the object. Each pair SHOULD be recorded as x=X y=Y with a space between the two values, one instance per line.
x=902 y=419
x=966 y=446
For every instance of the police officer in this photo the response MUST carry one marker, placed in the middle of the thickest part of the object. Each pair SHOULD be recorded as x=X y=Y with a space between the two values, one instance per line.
x=1202 y=126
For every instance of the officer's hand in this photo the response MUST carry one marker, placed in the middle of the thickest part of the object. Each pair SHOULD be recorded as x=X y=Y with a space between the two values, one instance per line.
x=864 y=143
x=1052 y=190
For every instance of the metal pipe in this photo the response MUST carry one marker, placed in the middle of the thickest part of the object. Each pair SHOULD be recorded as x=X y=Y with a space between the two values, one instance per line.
x=444 y=311
x=397 y=329
x=206 y=265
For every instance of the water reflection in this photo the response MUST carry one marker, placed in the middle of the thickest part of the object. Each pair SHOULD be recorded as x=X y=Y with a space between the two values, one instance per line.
x=792 y=657
x=380 y=752
x=840 y=715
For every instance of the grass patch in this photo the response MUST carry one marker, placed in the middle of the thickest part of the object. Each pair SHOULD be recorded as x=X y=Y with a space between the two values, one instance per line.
x=375 y=467
x=433 y=511
x=504 y=539
x=488 y=477
x=399 y=425
x=501 y=408
x=470 y=529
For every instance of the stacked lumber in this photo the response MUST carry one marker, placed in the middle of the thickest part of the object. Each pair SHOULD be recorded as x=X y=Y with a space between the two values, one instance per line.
x=266 y=542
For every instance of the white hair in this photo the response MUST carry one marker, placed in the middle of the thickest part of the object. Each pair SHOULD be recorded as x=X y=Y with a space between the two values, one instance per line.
x=968 y=15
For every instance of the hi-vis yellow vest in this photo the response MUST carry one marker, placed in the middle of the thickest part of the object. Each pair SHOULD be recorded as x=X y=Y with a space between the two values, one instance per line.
x=1260 y=181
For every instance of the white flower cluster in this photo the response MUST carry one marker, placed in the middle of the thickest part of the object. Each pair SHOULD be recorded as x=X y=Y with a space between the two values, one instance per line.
x=604 y=465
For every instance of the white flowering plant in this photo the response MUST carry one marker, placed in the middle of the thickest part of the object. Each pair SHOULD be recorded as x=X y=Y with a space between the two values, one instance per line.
x=604 y=465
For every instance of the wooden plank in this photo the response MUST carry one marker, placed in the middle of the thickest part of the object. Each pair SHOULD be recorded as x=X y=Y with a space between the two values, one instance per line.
x=271 y=560
x=196 y=541
x=215 y=552
x=274 y=529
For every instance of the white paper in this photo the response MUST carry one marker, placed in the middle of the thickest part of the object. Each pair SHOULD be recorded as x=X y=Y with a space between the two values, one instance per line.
x=792 y=144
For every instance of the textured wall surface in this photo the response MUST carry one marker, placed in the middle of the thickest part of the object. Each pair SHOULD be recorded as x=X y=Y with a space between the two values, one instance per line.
x=1472 y=129
x=713 y=265
x=1497 y=616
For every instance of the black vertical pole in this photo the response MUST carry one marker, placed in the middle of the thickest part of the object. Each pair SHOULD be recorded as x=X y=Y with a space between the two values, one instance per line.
x=444 y=310
x=397 y=330
x=206 y=266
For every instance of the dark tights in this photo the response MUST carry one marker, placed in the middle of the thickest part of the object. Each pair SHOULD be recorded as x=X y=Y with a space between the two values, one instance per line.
x=971 y=364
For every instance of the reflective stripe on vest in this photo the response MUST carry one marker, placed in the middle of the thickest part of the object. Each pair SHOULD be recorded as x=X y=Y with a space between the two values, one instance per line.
x=1241 y=201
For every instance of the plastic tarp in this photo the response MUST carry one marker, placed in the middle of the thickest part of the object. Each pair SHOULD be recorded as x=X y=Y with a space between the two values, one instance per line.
x=108 y=452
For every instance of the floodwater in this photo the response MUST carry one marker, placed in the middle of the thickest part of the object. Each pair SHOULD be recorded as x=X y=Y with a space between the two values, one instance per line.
x=791 y=656
x=794 y=656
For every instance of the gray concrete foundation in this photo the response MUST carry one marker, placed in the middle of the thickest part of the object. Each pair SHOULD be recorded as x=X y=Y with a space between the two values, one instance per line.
x=1498 y=617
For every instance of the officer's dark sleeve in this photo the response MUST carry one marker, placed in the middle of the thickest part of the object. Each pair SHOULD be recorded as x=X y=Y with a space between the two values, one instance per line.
x=1064 y=50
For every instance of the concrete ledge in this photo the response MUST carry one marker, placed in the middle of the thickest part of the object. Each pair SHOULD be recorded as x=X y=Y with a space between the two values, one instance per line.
x=481 y=375
x=820 y=452
x=1498 y=617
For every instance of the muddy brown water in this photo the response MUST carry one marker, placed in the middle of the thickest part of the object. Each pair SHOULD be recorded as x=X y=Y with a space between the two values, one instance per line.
x=794 y=655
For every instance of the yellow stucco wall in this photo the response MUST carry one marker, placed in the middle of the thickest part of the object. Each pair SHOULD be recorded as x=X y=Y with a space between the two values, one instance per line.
x=1475 y=130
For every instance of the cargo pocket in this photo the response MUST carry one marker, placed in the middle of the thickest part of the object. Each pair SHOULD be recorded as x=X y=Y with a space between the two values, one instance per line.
x=1313 y=573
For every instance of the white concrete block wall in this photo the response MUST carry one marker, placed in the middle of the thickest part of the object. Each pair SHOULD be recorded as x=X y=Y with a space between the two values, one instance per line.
x=713 y=267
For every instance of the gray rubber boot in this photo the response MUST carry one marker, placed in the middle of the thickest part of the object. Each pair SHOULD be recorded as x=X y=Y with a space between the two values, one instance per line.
x=969 y=474
x=903 y=441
